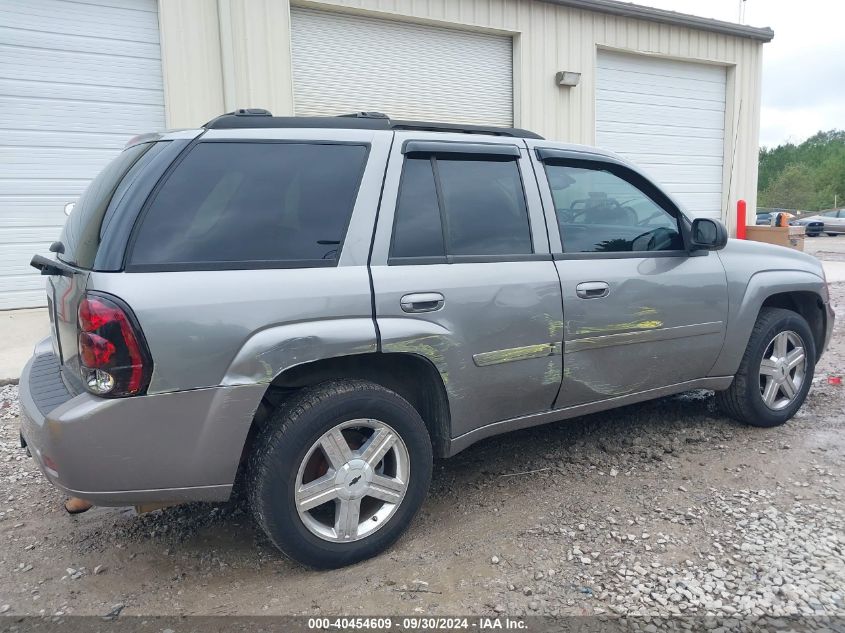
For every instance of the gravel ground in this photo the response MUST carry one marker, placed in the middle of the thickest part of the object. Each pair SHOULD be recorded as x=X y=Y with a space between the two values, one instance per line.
x=656 y=509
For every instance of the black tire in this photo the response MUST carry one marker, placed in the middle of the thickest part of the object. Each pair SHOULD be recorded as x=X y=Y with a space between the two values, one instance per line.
x=285 y=442
x=743 y=400
x=831 y=234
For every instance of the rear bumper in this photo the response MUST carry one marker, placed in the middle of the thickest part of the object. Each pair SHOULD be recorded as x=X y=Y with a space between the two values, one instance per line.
x=172 y=447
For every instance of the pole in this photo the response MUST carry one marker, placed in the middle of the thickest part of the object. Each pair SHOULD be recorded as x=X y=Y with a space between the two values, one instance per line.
x=740 y=219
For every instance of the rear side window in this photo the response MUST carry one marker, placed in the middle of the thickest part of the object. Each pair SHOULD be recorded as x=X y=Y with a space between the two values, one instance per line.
x=243 y=204
x=418 y=232
x=81 y=233
x=461 y=207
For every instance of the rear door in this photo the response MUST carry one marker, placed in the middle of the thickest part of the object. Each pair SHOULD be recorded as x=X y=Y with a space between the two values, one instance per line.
x=463 y=276
x=641 y=312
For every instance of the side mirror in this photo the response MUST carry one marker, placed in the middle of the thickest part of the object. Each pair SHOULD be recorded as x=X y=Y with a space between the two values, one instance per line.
x=69 y=207
x=707 y=234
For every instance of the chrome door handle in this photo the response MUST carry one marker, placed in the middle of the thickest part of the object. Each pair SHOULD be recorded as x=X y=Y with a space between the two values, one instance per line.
x=592 y=289
x=422 y=302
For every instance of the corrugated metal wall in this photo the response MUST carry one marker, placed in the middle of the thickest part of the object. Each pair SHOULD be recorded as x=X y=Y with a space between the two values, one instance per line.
x=347 y=63
x=668 y=117
x=253 y=43
x=77 y=80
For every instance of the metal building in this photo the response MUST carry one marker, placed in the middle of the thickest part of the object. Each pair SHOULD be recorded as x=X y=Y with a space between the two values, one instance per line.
x=678 y=94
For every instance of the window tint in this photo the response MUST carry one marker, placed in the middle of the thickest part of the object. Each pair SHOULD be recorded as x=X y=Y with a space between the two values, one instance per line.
x=81 y=233
x=248 y=202
x=483 y=209
x=598 y=211
x=418 y=231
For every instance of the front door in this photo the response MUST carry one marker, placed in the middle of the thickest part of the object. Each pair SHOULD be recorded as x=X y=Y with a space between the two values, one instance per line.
x=462 y=274
x=640 y=311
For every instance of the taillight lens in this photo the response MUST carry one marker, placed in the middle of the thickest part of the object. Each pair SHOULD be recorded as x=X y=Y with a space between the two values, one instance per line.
x=113 y=356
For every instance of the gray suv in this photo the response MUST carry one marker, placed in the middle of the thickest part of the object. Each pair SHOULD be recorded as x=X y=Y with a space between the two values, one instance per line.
x=318 y=307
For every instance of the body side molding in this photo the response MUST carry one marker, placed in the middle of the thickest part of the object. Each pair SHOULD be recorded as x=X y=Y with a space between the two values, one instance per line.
x=644 y=336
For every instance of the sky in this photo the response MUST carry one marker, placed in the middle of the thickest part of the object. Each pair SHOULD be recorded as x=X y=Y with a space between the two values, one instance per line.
x=803 y=67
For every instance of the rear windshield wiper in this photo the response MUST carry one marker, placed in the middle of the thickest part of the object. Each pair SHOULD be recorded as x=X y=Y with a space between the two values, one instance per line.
x=51 y=266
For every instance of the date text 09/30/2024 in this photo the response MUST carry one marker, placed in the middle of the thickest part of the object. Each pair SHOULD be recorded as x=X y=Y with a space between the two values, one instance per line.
x=417 y=623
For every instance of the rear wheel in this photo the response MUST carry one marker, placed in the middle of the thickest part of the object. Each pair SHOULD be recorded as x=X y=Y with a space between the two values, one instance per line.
x=339 y=473
x=775 y=373
x=831 y=234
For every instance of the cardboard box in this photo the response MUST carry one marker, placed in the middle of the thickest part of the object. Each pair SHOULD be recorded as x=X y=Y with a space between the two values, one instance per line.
x=789 y=236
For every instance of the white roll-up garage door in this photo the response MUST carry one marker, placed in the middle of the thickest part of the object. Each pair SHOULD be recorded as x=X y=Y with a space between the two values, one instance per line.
x=77 y=80
x=668 y=117
x=347 y=63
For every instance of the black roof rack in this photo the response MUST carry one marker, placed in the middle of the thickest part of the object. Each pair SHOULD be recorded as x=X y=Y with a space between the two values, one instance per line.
x=258 y=118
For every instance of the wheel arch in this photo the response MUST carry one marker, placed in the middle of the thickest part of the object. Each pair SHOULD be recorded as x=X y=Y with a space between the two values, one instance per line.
x=806 y=303
x=796 y=290
x=412 y=376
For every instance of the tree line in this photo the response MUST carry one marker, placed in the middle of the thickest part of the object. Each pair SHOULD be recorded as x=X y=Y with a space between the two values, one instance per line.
x=809 y=176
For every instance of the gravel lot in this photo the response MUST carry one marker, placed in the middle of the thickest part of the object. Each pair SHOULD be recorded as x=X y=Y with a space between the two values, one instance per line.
x=656 y=509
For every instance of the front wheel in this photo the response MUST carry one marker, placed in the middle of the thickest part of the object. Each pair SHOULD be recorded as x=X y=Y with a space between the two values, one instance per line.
x=339 y=473
x=775 y=373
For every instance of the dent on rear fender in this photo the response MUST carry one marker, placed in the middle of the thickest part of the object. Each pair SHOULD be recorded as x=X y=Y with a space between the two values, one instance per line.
x=424 y=338
x=269 y=352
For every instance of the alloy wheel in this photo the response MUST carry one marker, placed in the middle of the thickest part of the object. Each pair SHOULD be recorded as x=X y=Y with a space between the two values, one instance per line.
x=352 y=480
x=782 y=370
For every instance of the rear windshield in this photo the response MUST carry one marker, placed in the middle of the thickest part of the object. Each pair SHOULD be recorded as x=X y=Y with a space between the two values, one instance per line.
x=245 y=205
x=81 y=234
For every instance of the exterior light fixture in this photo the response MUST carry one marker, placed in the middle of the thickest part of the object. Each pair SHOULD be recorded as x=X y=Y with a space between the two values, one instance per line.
x=567 y=78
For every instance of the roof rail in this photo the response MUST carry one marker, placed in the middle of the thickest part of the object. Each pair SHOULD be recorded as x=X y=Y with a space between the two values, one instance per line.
x=460 y=128
x=258 y=118
x=365 y=115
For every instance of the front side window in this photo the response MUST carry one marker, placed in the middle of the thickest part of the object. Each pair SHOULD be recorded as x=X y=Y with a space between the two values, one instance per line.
x=601 y=212
x=454 y=206
x=240 y=202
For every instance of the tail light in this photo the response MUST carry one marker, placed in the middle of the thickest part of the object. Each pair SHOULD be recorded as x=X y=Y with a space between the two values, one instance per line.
x=113 y=356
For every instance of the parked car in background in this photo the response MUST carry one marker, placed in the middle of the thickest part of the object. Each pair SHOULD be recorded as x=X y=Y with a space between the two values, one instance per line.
x=833 y=221
x=317 y=307
x=812 y=228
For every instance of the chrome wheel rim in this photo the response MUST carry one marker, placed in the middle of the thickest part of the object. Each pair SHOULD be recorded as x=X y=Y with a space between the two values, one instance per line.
x=352 y=480
x=782 y=370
